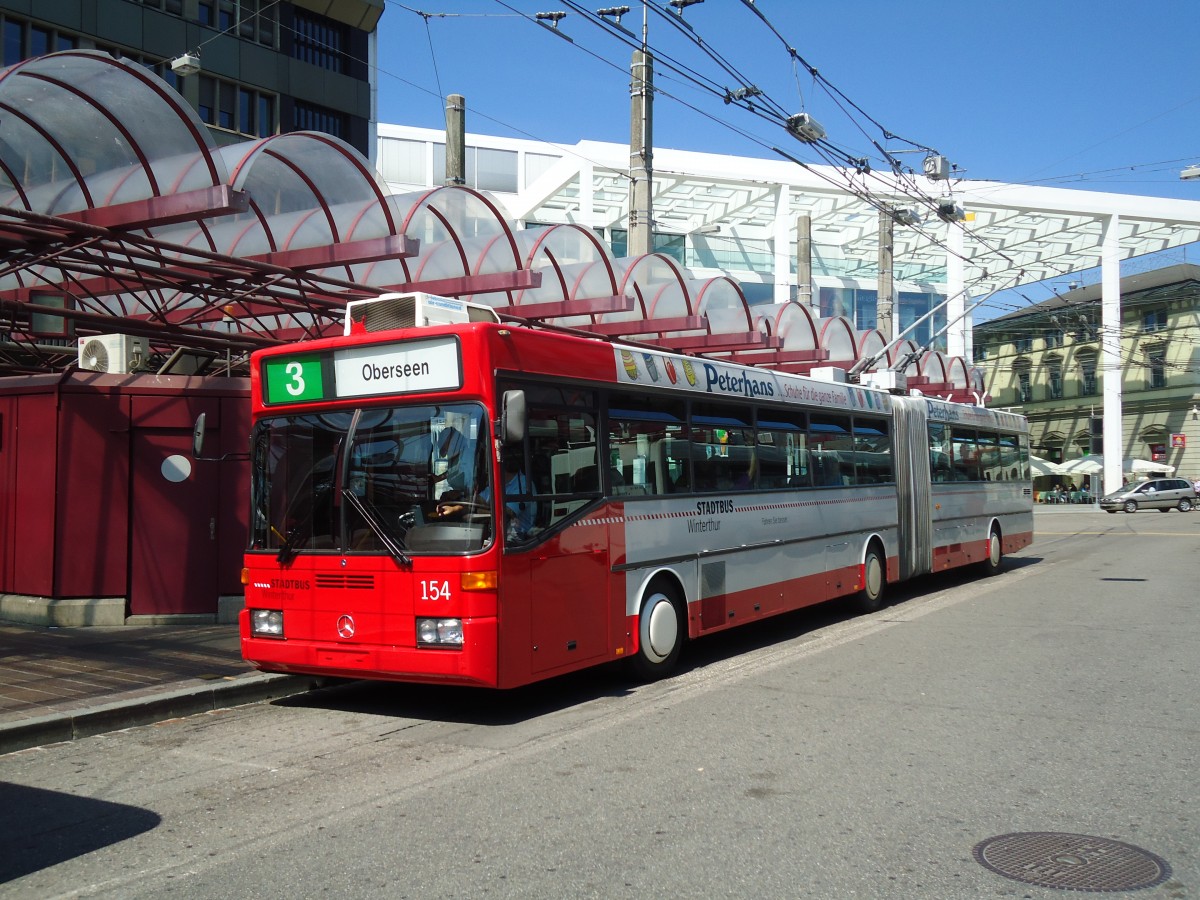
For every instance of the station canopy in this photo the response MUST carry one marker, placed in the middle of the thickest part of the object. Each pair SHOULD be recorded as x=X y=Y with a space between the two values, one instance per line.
x=120 y=215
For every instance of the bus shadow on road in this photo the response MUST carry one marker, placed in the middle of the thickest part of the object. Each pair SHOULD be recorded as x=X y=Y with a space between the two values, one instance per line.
x=465 y=705
x=42 y=828
x=482 y=706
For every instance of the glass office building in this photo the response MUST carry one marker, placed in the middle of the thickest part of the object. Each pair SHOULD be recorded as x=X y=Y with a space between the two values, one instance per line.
x=265 y=67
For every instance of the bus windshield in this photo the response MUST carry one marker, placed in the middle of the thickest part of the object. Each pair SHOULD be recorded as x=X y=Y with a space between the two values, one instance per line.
x=404 y=479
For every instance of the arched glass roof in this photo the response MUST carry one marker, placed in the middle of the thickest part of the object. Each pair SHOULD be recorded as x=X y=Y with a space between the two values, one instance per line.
x=837 y=337
x=905 y=349
x=82 y=130
x=128 y=218
x=871 y=343
x=797 y=326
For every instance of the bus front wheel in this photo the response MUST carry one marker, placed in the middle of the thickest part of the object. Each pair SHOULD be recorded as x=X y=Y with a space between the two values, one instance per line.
x=661 y=628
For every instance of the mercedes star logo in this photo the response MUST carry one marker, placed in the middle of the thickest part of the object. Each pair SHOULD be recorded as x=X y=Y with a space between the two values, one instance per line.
x=345 y=626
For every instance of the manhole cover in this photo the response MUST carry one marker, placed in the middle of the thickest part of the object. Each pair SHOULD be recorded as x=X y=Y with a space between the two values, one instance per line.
x=1073 y=862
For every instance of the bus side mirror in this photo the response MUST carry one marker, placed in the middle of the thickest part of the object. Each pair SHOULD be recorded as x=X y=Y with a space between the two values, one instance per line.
x=198 y=444
x=198 y=436
x=512 y=418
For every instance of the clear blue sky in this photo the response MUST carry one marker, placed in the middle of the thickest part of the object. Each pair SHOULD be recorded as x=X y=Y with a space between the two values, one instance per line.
x=1097 y=95
x=1100 y=95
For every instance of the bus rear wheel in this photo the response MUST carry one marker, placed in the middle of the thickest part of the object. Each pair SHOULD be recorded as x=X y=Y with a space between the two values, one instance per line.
x=870 y=597
x=661 y=627
x=995 y=554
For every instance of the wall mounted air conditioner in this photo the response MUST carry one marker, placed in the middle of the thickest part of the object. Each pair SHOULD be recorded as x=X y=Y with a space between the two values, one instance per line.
x=117 y=354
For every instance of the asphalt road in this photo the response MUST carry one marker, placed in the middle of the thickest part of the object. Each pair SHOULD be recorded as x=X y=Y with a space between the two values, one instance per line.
x=817 y=755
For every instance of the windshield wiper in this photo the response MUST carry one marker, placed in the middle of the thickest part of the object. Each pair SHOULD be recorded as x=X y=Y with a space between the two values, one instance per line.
x=288 y=549
x=371 y=518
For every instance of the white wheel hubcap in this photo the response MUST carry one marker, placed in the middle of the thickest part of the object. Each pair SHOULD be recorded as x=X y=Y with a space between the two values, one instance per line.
x=874 y=576
x=660 y=630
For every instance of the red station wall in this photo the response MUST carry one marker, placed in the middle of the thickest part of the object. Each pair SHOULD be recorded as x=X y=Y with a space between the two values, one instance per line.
x=86 y=505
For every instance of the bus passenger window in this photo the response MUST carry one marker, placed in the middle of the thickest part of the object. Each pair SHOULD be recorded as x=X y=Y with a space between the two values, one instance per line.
x=782 y=450
x=872 y=451
x=1025 y=472
x=991 y=457
x=939 y=453
x=646 y=440
x=832 y=448
x=966 y=455
x=563 y=462
x=637 y=458
x=1009 y=457
x=723 y=441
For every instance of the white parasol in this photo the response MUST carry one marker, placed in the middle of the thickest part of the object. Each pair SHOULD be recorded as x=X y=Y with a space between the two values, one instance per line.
x=1094 y=465
x=1041 y=466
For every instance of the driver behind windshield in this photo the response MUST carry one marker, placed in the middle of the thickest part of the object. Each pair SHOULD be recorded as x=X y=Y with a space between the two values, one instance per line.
x=462 y=487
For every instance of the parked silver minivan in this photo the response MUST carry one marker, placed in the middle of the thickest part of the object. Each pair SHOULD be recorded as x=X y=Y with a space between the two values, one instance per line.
x=1157 y=493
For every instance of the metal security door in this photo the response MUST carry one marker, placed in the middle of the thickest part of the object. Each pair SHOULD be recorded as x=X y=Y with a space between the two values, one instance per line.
x=173 y=548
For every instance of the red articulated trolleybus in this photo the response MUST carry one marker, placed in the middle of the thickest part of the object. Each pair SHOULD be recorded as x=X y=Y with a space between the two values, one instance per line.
x=489 y=504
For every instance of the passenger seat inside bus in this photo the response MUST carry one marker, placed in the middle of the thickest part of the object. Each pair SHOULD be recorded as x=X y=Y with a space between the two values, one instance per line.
x=586 y=480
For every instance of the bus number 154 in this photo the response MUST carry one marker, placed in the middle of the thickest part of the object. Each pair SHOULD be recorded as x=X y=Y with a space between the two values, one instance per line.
x=434 y=590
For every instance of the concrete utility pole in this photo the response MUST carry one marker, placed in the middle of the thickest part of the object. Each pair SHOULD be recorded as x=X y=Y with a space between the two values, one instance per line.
x=456 y=139
x=804 y=285
x=641 y=152
x=884 y=302
x=641 y=155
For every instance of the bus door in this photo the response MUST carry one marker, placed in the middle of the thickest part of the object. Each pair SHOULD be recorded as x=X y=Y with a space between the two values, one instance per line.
x=559 y=565
x=569 y=599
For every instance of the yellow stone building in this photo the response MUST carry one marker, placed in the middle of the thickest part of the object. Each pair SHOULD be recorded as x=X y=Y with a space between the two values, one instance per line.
x=1046 y=362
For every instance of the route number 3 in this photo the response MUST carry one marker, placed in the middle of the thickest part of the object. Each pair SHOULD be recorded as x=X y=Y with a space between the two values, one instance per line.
x=292 y=380
x=433 y=590
x=295 y=386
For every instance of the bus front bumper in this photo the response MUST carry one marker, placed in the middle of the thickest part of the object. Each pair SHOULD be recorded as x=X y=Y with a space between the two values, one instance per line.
x=472 y=664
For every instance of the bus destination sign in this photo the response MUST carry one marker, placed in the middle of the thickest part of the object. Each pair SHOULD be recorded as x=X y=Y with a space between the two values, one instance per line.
x=370 y=371
x=413 y=366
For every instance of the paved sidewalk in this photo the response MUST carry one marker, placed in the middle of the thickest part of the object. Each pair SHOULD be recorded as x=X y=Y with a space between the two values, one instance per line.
x=58 y=684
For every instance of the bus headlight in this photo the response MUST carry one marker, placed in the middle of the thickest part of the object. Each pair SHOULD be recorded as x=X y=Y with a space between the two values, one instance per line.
x=440 y=632
x=266 y=622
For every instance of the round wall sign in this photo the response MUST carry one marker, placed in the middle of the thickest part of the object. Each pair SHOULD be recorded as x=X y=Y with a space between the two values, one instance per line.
x=176 y=468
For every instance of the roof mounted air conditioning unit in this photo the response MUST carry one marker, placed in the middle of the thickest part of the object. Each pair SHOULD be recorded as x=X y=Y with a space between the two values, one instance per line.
x=835 y=374
x=887 y=380
x=413 y=310
x=117 y=354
